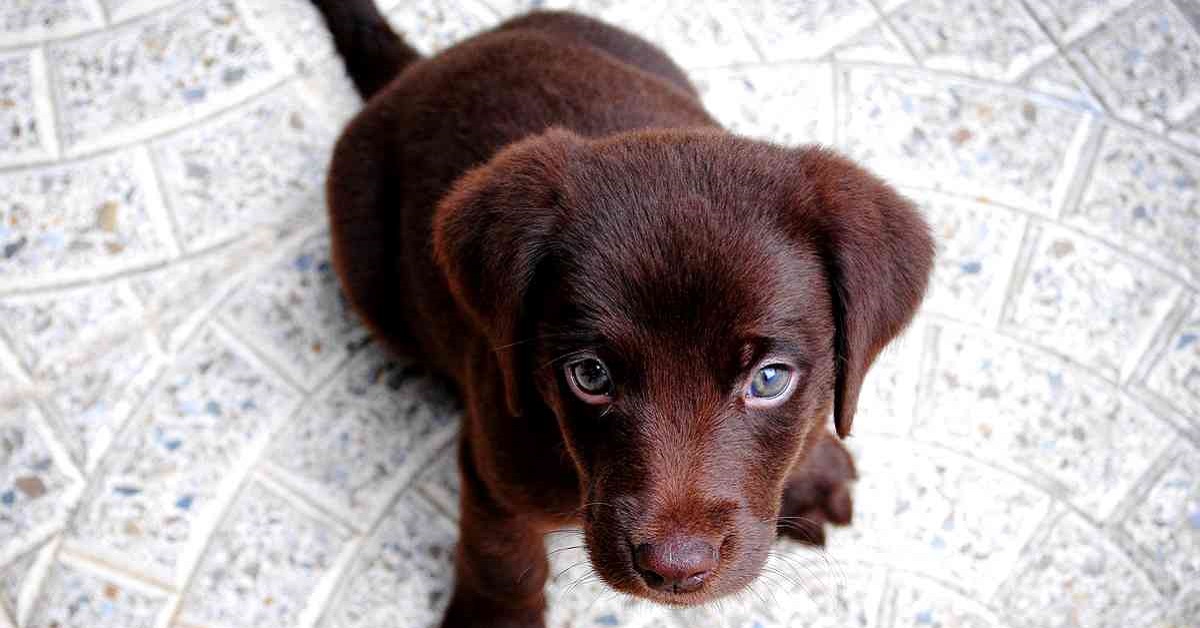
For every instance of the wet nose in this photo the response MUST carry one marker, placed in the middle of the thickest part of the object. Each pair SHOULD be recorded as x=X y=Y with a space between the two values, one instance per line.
x=677 y=565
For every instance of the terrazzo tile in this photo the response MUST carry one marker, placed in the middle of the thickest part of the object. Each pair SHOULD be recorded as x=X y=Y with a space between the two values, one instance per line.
x=73 y=598
x=402 y=576
x=1073 y=579
x=13 y=577
x=1071 y=279
x=295 y=25
x=24 y=136
x=326 y=85
x=294 y=312
x=149 y=75
x=924 y=511
x=59 y=335
x=176 y=455
x=1166 y=523
x=787 y=104
x=695 y=34
x=796 y=29
x=977 y=246
x=957 y=137
x=994 y=39
x=269 y=157
x=431 y=25
x=920 y=604
x=1040 y=416
x=1144 y=197
x=1066 y=20
x=440 y=481
x=27 y=21
x=366 y=431
x=262 y=564
x=838 y=595
x=122 y=10
x=79 y=219
x=878 y=43
x=1175 y=376
x=1144 y=64
x=1183 y=613
x=1055 y=77
x=885 y=403
x=36 y=493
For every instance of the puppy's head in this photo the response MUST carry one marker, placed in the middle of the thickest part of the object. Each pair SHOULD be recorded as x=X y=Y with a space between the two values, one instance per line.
x=691 y=306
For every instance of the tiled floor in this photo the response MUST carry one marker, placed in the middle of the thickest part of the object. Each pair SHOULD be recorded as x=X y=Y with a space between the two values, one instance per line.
x=194 y=432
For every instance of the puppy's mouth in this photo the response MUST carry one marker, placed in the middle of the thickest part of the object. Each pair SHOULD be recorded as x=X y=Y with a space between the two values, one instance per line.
x=676 y=569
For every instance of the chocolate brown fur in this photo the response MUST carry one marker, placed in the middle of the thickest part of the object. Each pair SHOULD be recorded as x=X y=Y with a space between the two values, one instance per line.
x=554 y=186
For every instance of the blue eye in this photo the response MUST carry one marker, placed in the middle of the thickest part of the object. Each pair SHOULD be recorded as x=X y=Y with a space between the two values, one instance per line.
x=770 y=381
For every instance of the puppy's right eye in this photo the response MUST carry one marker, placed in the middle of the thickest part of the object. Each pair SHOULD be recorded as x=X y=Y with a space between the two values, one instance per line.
x=590 y=380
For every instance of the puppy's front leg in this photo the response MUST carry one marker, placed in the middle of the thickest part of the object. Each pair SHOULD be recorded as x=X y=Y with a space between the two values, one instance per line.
x=818 y=491
x=500 y=565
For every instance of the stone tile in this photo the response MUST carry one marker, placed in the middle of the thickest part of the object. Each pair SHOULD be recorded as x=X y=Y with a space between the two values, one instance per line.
x=1166 y=523
x=403 y=574
x=877 y=44
x=1072 y=578
x=26 y=21
x=1055 y=77
x=1144 y=197
x=373 y=427
x=1068 y=19
x=922 y=604
x=994 y=39
x=1069 y=281
x=1183 y=612
x=36 y=492
x=923 y=510
x=74 y=598
x=834 y=595
x=293 y=312
x=1145 y=64
x=1175 y=375
x=1039 y=415
x=432 y=25
x=262 y=563
x=150 y=75
x=787 y=104
x=59 y=336
x=795 y=29
x=24 y=134
x=977 y=246
x=79 y=219
x=269 y=158
x=972 y=139
x=175 y=457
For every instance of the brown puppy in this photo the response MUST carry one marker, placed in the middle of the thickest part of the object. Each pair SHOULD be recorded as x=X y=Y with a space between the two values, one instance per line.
x=649 y=319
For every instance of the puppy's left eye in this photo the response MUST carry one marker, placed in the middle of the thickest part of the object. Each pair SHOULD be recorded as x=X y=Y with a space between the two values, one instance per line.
x=590 y=380
x=770 y=382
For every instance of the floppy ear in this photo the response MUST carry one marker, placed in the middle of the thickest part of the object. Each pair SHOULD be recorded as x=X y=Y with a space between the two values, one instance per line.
x=491 y=232
x=878 y=254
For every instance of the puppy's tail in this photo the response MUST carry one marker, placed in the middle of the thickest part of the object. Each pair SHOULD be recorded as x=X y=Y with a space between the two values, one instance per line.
x=374 y=54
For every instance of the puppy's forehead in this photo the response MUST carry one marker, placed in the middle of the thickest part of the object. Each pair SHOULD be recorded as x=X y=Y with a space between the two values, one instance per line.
x=687 y=270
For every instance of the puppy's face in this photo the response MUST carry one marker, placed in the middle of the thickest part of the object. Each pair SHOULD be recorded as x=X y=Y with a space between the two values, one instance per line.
x=690 y=306
x=686 y=357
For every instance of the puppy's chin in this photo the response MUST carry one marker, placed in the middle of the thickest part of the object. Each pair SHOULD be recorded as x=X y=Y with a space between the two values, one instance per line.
x=742 y=557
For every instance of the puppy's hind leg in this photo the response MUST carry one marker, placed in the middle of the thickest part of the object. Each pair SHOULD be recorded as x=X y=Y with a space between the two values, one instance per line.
x=818 y=492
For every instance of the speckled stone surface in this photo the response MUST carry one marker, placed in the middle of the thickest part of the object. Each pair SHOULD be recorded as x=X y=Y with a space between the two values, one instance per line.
x=196 y=432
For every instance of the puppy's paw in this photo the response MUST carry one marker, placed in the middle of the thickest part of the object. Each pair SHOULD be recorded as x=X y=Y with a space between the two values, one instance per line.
x=818 y=493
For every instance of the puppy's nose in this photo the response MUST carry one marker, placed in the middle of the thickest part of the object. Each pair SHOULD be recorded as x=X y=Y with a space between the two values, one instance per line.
x=678 y=565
